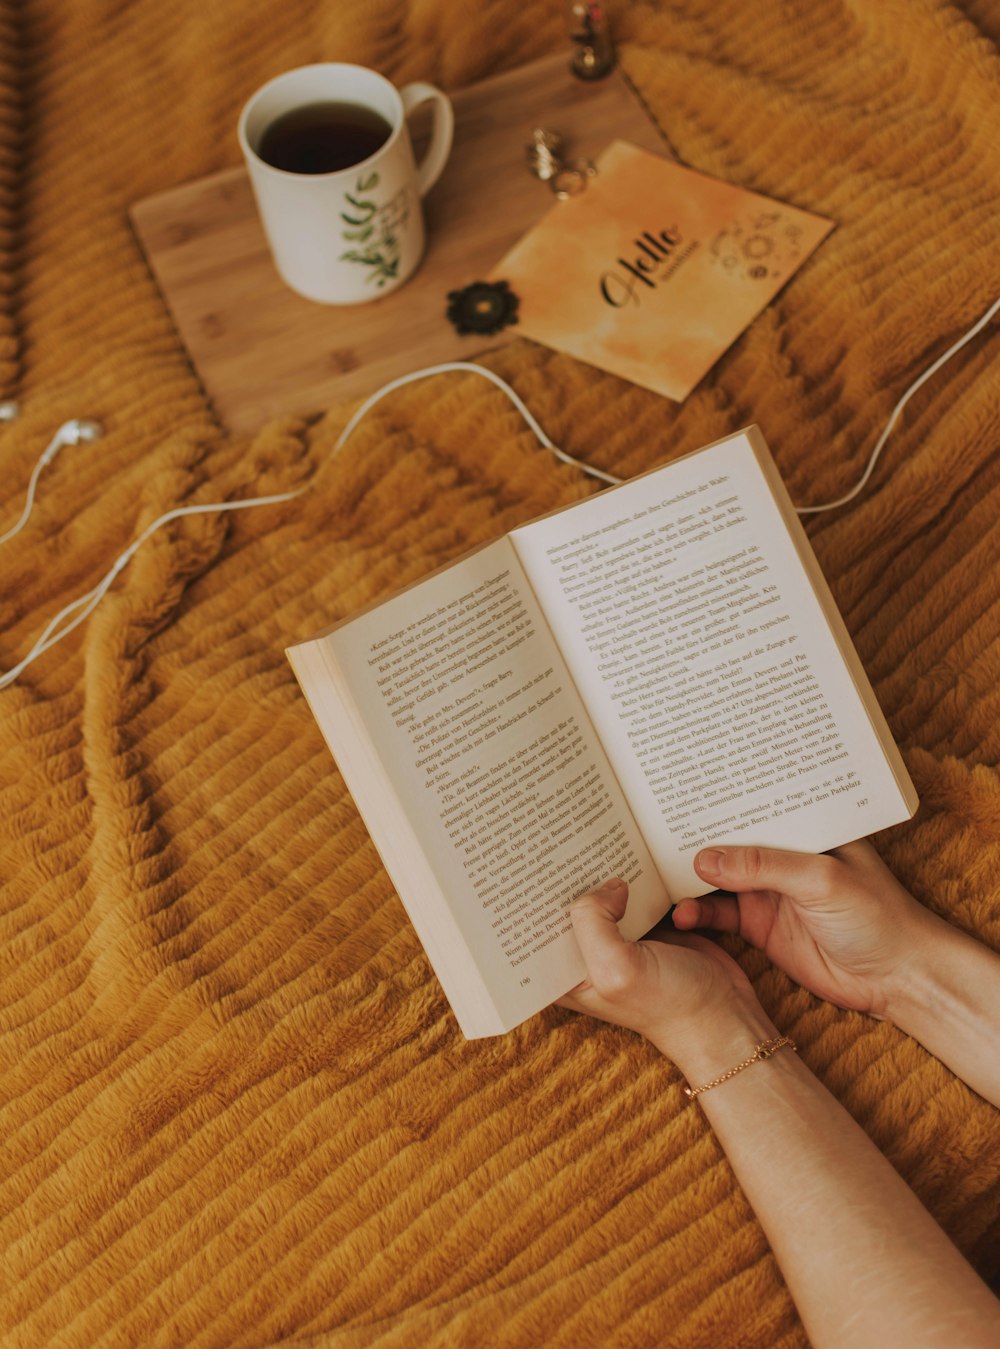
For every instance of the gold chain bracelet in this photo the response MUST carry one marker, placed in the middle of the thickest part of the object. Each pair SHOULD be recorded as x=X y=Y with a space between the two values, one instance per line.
x=763 y=1051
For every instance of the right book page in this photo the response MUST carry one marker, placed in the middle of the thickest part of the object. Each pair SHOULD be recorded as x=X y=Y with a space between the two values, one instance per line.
x=715 y=665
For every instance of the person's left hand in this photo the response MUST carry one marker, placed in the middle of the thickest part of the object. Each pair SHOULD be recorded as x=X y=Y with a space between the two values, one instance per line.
x=677 y=989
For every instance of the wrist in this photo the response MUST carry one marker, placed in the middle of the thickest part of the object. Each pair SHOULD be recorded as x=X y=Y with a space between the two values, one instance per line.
x=939 y=989
x=714 y=1042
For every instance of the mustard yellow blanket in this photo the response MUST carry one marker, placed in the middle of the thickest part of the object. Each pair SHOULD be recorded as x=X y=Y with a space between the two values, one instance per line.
x=235 y=1109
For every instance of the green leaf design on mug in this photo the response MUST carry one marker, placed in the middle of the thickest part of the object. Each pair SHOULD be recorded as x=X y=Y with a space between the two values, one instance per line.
x=382 y=267
x=381 y=252
x=368 y=206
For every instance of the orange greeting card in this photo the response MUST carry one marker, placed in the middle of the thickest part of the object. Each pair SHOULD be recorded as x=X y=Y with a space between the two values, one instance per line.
x=654 y=270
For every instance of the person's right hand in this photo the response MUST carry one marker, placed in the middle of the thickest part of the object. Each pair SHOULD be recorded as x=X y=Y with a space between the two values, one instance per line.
x=840 y=924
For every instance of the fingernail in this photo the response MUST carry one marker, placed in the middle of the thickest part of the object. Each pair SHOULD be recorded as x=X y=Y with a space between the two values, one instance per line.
x=611 y=888
x=710 y=862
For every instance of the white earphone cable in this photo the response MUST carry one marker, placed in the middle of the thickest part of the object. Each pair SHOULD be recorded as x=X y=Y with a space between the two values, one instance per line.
x=369 y=403
x=894 y=415
x=75 y=432
x=86 y=604
x=29 y=502
x=74 y=613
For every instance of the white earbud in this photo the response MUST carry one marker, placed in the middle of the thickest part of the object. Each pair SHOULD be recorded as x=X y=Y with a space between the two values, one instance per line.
x=77 y=431
x=74 y=432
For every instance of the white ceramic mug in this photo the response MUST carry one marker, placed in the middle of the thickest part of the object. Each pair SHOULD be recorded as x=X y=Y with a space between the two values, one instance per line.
x=356 y=233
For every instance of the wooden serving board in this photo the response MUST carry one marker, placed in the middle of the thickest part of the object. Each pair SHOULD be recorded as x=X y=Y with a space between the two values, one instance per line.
x=262 y=351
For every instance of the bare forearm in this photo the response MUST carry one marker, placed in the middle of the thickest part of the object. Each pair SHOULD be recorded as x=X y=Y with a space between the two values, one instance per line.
x=950 y=1001
x=865 y=1262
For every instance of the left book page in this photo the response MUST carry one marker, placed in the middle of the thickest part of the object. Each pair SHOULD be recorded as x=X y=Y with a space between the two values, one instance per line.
x=473 y=761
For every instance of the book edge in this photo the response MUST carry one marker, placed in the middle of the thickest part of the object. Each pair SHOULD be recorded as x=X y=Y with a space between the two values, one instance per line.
x=374 y=796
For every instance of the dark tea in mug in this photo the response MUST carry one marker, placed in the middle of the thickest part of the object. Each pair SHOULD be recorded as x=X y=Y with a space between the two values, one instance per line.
x=323 y=137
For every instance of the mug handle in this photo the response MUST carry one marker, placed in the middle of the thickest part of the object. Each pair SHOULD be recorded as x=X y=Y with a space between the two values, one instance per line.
x=429 y=168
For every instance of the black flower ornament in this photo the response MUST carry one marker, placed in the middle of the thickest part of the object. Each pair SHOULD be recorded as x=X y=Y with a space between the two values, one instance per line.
x=484 y=307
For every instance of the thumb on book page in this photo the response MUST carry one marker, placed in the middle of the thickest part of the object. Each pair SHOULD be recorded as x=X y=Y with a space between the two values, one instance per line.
x=609 y=958
x=743 y=869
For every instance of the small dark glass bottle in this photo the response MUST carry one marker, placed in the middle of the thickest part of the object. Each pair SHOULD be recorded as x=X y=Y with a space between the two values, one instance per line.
x=595 y=54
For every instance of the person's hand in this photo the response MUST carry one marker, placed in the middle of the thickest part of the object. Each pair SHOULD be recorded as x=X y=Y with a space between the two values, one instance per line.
x=680 y=990
x=840 y=924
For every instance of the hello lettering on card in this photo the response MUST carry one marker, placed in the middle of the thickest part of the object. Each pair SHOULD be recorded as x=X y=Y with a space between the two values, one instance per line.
x=657 y=256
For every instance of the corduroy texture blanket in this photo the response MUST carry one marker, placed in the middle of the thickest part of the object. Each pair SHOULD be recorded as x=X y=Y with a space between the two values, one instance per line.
x=234 y=1106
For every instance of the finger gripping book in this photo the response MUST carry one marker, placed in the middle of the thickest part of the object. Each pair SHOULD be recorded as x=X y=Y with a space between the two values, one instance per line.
x=603 y=691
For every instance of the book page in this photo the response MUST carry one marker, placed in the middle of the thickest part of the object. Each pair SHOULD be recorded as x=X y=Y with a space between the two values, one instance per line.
x=695 y=634
x=485 y=741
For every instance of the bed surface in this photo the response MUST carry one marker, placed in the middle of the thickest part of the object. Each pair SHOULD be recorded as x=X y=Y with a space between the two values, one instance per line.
x=235 y=1109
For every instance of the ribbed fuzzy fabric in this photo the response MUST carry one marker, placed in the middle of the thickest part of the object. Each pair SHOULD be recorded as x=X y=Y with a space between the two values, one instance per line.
x=234 y=1107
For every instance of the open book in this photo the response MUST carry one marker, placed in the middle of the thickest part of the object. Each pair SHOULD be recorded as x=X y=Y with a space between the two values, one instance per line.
x=601 y=692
